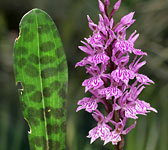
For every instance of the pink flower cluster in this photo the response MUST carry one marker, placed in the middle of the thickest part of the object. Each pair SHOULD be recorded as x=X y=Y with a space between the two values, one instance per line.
x=108 y=62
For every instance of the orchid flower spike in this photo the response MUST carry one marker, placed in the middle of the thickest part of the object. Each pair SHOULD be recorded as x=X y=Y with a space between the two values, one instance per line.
x=111 y=70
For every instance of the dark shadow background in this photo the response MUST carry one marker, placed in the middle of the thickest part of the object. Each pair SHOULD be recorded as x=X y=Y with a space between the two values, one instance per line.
x=151 y=132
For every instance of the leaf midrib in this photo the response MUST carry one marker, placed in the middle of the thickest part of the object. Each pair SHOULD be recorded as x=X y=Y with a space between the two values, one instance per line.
x=41 y=86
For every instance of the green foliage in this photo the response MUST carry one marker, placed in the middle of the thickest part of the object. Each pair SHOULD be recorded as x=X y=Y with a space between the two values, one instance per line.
x=41 y=74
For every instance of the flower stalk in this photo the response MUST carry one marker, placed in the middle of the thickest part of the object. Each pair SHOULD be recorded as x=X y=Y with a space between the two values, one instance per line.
x=115 y=80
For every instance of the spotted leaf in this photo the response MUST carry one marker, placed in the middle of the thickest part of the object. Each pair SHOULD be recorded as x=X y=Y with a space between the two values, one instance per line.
x=41 y=73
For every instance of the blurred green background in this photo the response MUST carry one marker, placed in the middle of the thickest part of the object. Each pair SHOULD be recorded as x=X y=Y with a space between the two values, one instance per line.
x=151 y=132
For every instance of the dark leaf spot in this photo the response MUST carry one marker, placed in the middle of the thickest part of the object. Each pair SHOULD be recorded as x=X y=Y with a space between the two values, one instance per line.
x=51 y=129
x=33 y=58
x=49 y=72
x=58 y=112
x=39 y=141
x=34 y=121
x=54 y=144
x=35 y=115
x=62 y=93
x=20 y=51
x=21 y=62
x=47 y=59
x=47 y=46
x=29 y=37
x=43 y=29
x=29 y=88
x=62 y=66
x=41 y=114
x=31 y=71
x=55 y=85
x=59 y=52
x=47 y=92
x=36 y=97
x=33 y=112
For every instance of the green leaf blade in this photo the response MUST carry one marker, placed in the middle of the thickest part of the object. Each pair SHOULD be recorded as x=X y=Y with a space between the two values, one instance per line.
x=41 y=69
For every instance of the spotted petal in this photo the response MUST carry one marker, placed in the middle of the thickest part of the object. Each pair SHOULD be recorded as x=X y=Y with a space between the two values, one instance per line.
x=143 y=107
x=124 y=46
x=89 y=104
x=110 y=91
x=98 y=58
x=143 y=79
x=123 y=74
x=101 y=130
x=94 y=82
x=113 y=137
x=130 y=112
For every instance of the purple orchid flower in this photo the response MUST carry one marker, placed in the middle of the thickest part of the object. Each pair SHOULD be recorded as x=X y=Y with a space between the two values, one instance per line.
x=108 y=63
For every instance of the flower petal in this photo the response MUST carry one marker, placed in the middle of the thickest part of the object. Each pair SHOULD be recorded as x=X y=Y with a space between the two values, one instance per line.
x=101 y=7
x=130 y=112
x=85 y=49
x=89 y=104
x=127 y=18
x=139 y=52
x=143 y=79
x=123 y=74
x=129 y=128
x=98 y=58
x=83 y=62
x=124 y=46
x=94 y=82
x=142 y=107
x=113 y=137
x=110 y=91
x=101 y=130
